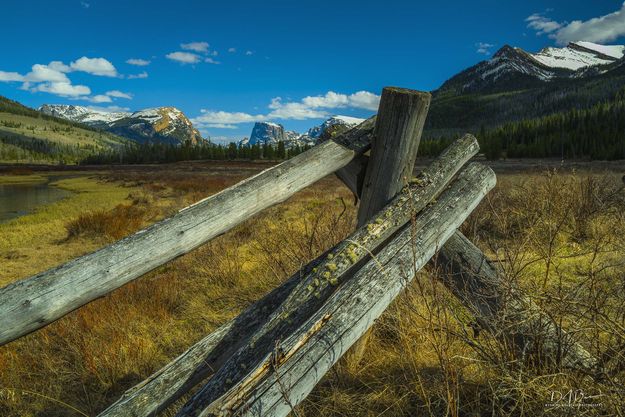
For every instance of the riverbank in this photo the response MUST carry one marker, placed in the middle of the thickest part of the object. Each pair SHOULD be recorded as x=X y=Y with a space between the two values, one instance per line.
x=29 y=244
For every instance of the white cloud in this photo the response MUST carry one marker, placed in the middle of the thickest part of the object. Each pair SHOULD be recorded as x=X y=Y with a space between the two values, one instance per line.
x=483 y=48
x=100 y=98
x=85 y=5
x=224 y=117
x=10 y=76
x=600 y=29
x=59 y=66
x=183 y=57
x=220 y=126
x=232 y=50
x=119 y=94
x=94 y=66
x=294 y=110
x=310 y=107
x=138 y=62
x=542 y=24
x=143 y=74
x=44 y=73
x=211 y=61
x=201 y=47
x=249 y=53
x=330 y=99
x=359 y=100
x=64 y=89
x=52 y=78
x=364 y=100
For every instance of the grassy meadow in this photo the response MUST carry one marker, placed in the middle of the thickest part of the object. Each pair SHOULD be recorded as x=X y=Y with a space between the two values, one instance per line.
x=559 y=235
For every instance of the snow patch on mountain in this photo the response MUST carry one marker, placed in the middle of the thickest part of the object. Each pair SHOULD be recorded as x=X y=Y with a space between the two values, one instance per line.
x=162 y=124
x=578 y=55
x=81 y=114
x=347 y=121
x=614 y=51
x=513 y=67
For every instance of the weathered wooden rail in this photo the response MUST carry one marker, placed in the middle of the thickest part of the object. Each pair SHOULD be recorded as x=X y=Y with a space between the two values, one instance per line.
x=267 y=360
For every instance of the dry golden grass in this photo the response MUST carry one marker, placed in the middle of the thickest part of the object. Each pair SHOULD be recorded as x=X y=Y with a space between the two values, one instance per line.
x=561 y=237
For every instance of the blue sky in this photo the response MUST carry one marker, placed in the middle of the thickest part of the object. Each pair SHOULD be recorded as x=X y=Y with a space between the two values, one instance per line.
x=227 y=64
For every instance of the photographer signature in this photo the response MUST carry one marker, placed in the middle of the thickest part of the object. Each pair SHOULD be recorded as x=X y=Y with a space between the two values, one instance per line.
x=573 y=398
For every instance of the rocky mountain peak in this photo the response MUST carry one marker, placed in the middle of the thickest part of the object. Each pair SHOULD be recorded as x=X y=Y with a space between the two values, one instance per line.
x=161 y=124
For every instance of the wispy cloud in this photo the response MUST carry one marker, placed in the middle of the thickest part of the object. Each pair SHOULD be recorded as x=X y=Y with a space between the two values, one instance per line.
x=232 y=50
x=220 y=126
x=249 y=53
x=119 y=94
x=542 y=24
x=85 y=5
x=604 y=28
x=310 y=107
x=138 y=62
x=143 y=74
x=484 y=48
x=184 y=57
x=100 y=98
x=201 y=53
x=63 y=89
x=10 y=76
x=201 y=47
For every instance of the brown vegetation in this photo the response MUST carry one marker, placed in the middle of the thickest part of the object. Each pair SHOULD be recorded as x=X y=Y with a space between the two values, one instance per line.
x=559 y=236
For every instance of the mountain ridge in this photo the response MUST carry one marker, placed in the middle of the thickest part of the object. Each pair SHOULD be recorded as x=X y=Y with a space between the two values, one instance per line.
x=160 y=124
x=525 y=69
x=273 y=133
x=513 y=85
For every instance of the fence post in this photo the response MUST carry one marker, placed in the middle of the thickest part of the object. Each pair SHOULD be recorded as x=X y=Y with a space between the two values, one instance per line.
x=394 y=145
x=396 y=137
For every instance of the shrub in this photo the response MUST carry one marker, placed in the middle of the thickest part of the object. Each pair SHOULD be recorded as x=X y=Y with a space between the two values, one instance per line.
x=115 y=224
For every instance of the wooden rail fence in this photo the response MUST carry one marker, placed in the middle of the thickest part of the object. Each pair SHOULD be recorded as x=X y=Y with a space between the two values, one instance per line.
x=269 y=358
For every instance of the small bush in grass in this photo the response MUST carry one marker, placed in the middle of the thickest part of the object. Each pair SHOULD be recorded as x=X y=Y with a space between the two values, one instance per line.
x=115 y=224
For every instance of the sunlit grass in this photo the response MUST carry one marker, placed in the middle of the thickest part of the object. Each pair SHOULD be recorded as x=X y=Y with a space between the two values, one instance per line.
x=31 y=243
x=422 y=358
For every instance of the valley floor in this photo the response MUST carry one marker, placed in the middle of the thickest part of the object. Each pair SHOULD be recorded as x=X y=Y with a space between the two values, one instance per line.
x=559 y=234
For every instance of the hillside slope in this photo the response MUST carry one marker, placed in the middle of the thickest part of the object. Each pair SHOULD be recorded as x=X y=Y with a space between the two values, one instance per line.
x=28 y=136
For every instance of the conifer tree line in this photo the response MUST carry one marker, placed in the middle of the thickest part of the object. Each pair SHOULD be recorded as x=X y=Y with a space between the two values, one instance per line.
x=597 y=133
x=156 y=152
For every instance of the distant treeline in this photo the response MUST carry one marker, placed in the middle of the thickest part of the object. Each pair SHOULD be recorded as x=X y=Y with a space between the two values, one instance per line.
x=594 y=133
x=148 y=153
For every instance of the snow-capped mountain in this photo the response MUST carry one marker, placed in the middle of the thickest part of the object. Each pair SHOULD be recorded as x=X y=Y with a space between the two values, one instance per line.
x=267 y=132
x=272 y=133
x=81 y=114
x=514 y=67
x=325 y=130
x=162 y=124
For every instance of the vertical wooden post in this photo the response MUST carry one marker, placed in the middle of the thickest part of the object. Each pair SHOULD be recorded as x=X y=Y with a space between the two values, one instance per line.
x=396 y=137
